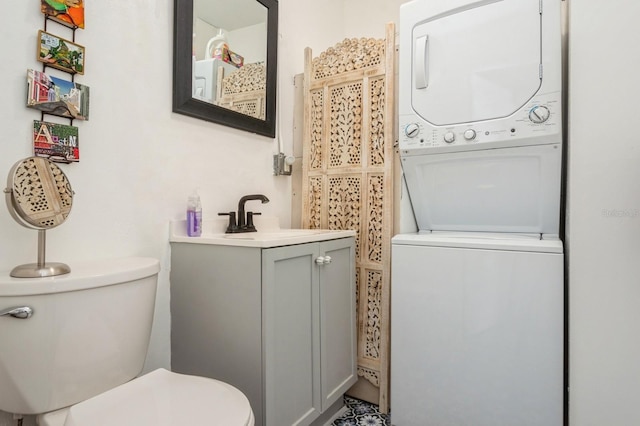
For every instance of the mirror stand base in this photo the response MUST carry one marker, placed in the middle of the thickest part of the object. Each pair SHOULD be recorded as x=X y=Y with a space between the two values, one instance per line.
x=36 y=270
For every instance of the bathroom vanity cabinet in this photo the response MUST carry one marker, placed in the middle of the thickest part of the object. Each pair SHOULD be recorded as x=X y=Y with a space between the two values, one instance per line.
x=277 y=322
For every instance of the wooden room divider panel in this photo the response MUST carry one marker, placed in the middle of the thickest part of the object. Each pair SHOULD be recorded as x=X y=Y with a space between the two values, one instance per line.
x=347 y=178
x=244 y=90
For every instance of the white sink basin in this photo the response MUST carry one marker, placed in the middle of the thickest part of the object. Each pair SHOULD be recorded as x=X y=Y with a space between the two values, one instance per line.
x=273 y=237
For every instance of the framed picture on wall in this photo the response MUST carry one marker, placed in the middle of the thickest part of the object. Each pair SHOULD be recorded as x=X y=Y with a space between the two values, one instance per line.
x=57 y=142
x=69 y=13
x=59 y=53
x=57 y=96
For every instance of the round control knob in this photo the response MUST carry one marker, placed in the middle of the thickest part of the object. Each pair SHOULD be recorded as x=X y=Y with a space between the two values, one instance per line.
x=412 y=130
x=449 y=137
x=539 y=114
x=470 y=134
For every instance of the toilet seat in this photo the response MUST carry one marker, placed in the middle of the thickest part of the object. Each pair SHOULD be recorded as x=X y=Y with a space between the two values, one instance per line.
x=161 y=398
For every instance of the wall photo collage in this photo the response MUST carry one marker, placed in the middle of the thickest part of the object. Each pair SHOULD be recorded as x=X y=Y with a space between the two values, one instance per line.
x=53 y=95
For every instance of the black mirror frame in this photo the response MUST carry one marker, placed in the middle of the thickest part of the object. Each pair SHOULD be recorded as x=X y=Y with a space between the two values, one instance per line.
x=184 y=103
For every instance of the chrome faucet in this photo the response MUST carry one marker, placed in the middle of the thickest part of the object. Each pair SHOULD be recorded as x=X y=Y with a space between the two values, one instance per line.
x=245 y=222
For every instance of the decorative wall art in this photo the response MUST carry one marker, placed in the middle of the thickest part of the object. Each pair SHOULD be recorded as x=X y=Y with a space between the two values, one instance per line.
x=56 y=96
x=57 y=142
x=69 y=13
x=59 y=53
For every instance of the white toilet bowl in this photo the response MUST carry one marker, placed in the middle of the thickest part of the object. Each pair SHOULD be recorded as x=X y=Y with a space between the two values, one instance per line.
x=160 y=398
x=73 y=344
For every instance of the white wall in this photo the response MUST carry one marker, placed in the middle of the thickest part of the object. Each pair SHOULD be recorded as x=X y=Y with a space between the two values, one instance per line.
x=366 y=19
x=139 y=161
x=243 y=40
x=203 y=32
x=604 y=213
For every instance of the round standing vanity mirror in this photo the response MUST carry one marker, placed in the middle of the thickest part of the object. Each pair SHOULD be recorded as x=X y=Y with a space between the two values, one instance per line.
x=39 y=196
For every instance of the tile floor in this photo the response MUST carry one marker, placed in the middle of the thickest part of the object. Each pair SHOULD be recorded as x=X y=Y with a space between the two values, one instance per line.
x=362 y=413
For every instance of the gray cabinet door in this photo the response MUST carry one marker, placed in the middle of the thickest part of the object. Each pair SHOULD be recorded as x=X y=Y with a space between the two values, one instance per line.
x=216 y=316
x=291 y=329
x=337 y=319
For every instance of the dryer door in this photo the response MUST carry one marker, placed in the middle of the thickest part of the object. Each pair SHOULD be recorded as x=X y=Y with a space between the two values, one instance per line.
x=476 y=62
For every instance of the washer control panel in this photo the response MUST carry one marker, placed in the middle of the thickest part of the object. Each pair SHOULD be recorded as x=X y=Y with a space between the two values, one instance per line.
x=539 y=117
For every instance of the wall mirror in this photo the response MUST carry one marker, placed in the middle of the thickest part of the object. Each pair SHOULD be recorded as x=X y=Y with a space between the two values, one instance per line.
x=225 y=62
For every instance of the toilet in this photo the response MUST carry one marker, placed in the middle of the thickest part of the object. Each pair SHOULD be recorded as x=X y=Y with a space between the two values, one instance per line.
x=74 y=344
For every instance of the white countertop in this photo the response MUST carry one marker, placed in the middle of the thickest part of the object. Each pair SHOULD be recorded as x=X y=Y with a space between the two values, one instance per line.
x=269 y=234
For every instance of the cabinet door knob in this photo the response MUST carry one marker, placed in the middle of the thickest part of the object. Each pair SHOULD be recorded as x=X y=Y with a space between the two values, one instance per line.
x=320 y=260
x=327 y=259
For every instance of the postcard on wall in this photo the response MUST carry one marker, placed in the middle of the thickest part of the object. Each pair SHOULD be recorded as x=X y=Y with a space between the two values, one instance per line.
x=69 y=13
x=57 y=96
x=59 y=53
x=57 y=142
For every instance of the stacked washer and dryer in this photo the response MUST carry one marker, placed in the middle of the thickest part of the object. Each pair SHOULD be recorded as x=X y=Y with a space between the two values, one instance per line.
x=477 y=298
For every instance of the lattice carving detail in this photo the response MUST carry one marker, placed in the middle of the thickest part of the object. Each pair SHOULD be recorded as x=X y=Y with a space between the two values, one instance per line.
x=244 y=90
x=317 y=105
x=250 y=108
x=370 y=375
x=344 y=205
x=374 y=293
x=348 y=55
x=346 y=125
x=375 y=207
x=43 y=192
x=249 y=78
x=315 y=202
x=376 y=127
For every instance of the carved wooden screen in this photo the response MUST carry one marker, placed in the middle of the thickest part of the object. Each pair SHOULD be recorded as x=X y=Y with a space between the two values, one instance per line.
x=347 y=180
x=244 y=90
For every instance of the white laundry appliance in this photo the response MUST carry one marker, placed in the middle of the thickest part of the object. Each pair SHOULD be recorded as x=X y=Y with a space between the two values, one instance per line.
x=205 y=77
x=477 y=292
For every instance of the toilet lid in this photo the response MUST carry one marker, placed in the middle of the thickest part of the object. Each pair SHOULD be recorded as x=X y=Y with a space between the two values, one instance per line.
x=163 y=398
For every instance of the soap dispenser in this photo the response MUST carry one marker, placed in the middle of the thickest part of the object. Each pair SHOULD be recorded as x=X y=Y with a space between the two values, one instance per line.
x=194 y=215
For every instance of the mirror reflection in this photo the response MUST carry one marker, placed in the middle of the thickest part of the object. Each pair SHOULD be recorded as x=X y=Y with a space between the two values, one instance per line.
x=230 y=55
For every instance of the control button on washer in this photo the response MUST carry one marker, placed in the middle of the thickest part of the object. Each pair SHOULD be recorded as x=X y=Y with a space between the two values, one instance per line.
x=449 y=137
x=539 y=114
x=412 y=130
x=470 y=134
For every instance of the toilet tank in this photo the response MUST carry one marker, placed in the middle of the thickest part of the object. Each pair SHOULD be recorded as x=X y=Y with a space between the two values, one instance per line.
x=89 y=332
